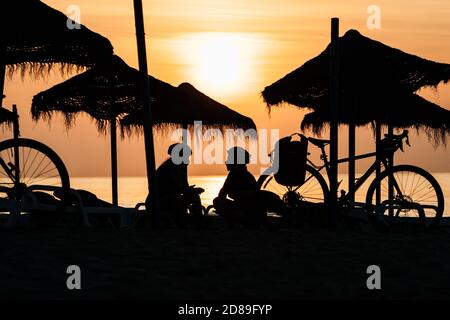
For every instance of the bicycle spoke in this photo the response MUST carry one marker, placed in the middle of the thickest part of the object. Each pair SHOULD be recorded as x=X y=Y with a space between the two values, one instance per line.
x=310 y=191
x=314 y=198
x=418 y=186
x=26 y=161
x=32 y=162
x=43 y=178
x=414 y=193
x=45 y=168
x=413 y=187
x=40 y=180
x=34 y=167
x=10 y=155
x=42 y=159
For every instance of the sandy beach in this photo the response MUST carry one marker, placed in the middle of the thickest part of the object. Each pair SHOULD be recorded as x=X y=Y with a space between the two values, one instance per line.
x=219 y=263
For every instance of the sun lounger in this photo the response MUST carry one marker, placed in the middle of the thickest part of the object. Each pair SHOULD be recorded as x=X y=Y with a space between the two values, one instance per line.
x=30 y=203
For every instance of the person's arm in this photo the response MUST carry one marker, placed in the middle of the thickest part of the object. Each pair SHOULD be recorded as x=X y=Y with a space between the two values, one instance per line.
x=225 y=188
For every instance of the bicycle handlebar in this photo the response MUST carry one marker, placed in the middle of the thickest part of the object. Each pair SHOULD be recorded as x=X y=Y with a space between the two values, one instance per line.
x=403 y=135
x=398 y=138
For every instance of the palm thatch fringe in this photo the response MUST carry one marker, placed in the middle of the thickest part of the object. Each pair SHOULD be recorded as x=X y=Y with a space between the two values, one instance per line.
x=6 y=118
x=38 y=70
x=35 y=37
x=405 y=111
x=437 y=136
x=129 y=127
x=70 y=118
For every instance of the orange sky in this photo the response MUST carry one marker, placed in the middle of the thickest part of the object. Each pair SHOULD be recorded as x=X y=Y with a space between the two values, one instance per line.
x=249 y=44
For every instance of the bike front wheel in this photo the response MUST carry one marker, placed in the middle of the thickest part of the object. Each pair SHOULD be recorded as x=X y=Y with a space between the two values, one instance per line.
x=415 y=194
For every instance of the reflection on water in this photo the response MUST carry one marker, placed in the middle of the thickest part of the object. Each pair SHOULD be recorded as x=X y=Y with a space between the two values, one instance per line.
x=133 y=190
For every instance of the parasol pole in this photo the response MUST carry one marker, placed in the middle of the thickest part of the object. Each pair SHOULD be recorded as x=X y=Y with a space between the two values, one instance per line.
x=351 y=162
x=378 y=170
x=2 y=82
x=185 y=134
x=16 y=134
x=391 y=178
x=352 y=152
x=114 y=175
x=145 y=94
x=334 y=104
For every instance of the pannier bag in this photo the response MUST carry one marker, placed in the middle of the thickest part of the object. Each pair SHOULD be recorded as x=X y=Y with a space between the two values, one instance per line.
x=291 y=156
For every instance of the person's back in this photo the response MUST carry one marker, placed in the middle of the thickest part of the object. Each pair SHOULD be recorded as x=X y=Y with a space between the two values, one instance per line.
x=237 y=200
x=174 y=193
x=171 y=179
x=239 y=185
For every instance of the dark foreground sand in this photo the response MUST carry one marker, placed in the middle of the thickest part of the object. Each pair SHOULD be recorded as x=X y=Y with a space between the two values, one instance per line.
x=305 y=263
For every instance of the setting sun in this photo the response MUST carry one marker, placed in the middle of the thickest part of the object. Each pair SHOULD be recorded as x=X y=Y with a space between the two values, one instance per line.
x=220 y=62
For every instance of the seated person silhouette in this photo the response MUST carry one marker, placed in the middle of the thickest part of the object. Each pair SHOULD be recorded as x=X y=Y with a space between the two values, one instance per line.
x=179 y=203
x=238 y=199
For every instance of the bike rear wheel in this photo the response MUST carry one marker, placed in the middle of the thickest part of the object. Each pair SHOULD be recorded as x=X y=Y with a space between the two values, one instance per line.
x=416 y=194
x=314 y=190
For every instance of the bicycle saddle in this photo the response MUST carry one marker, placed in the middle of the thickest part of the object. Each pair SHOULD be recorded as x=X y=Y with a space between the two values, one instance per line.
x=319 y=142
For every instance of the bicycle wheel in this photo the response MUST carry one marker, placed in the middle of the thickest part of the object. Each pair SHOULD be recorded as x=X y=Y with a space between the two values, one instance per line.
x=416 y=194
x=39 y=168
x=314 y=190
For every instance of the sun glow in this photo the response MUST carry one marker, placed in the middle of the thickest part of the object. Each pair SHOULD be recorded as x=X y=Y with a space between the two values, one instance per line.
x=220 y=63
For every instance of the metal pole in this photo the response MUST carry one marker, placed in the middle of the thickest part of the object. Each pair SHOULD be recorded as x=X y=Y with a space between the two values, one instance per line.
x=351 y=162
x=145 y=96
x=391 y=178
x=378 y=171
x=2 y=82
x=334 y=104
x=114 y=175
x=185 y=134
x=16 y=134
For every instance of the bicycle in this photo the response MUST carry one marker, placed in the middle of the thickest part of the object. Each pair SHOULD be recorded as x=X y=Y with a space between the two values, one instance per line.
x=26 y=166
x=397 y=192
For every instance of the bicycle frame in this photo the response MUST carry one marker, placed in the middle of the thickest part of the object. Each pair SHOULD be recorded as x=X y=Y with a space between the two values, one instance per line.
x=384 y=160
x=397 y=201
x=12 y=170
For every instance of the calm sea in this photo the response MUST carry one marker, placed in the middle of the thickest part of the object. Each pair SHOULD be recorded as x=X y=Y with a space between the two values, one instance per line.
x=132 y=190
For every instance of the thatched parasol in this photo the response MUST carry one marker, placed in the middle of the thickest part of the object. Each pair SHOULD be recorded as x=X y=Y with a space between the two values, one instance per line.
x=6 y=117
x=366 y=67
x=111 y=90
x=370 y=74
x=34 y=37
x=211 y=112
x=188 y=106
x=104 y=92
x=400 y=111
x=374 y=78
